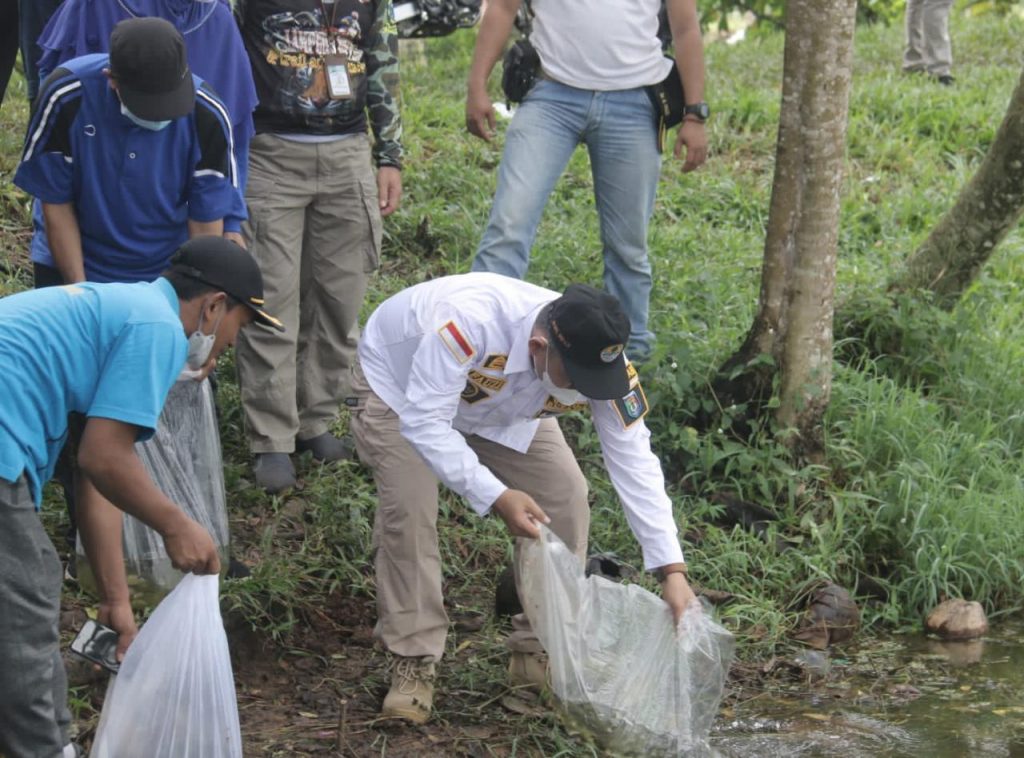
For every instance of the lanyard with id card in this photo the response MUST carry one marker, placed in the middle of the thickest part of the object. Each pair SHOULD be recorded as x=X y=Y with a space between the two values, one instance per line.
x=339 y=87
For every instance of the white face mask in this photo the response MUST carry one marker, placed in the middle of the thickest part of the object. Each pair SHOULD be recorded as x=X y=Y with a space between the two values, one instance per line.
x=564 y=395
x=199 y=347
x=153 y=126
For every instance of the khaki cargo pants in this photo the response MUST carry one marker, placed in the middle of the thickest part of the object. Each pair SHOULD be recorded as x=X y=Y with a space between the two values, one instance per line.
x=315 y=229
x=411 y=619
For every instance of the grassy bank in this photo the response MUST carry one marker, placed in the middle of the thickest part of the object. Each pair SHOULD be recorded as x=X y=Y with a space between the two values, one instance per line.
x=922 y=494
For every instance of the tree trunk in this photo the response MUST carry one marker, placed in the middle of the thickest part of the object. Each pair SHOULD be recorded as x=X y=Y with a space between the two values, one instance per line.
x=804 y=345
x=988 y=207
x=793 y=324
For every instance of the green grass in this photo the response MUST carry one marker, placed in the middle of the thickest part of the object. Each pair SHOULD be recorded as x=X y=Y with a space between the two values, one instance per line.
x=922 y=491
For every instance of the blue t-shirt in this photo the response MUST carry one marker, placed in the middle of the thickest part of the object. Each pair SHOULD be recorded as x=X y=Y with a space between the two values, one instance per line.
x=104 y=350
x=133 y=189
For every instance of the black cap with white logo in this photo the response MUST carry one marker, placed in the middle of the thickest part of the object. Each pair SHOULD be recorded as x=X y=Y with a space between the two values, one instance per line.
x=228 y=268
x=589 y=329
x=149 y=64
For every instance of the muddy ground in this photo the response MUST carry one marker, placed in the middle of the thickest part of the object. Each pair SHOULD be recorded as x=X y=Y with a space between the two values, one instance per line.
x=319 y=691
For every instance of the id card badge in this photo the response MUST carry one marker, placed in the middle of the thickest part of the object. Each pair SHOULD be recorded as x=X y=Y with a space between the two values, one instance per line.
x=339 y=87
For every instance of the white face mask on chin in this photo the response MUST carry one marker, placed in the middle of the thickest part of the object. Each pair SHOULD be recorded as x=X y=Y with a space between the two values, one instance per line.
x=564 y=395
x=199 y=348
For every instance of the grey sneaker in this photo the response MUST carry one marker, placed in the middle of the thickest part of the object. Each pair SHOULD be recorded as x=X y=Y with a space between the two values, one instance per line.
x=411 y=696
x=326 y=447
x=274 y=472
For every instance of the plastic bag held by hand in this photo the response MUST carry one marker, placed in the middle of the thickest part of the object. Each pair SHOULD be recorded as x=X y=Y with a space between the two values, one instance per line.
x=174 y=696
x=619 y=668
x=184 y=459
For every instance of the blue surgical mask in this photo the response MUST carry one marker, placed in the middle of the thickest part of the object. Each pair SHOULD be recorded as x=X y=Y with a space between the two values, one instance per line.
x=153 y=126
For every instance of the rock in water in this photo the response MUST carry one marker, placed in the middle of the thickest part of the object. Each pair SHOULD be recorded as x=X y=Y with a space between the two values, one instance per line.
x=957 y=619
x=832 y=616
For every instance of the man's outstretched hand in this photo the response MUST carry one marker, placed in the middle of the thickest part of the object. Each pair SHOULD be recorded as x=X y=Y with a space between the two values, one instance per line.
x=520 y=513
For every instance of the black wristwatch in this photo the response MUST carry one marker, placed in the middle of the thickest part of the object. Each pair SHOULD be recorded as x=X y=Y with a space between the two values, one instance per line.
x=700 y=110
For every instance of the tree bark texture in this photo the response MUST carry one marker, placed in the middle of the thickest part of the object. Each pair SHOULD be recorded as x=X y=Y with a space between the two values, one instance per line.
x=824 y=28
x=988 y=207
x=793 y=323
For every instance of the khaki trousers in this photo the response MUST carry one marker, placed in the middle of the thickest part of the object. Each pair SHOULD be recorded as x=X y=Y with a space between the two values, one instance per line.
x=927 y=31
x=411 y=619
x=315 y=229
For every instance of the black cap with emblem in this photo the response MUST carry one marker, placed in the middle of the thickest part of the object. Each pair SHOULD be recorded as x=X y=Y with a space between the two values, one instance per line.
x=227 y=267
x=589 y=329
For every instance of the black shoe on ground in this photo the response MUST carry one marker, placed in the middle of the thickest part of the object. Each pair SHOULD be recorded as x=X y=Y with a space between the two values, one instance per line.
x=327 y=448
x=274 y=472
x=946 y=80
x=237 y=569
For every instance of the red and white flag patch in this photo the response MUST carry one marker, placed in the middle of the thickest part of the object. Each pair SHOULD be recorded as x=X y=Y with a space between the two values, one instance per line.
x=456 y=343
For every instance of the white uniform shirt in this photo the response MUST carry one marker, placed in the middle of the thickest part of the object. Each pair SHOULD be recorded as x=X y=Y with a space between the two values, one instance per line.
x=600 y=44
x=450 y=357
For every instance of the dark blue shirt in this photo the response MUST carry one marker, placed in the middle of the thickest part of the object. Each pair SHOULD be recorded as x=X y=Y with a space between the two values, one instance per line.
x=133 y=189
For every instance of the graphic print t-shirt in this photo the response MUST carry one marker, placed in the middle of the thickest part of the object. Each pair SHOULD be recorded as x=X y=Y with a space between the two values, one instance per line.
x=287 y=41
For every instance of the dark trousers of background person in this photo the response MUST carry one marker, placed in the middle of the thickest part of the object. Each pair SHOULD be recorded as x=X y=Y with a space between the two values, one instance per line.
x=8 y=42
x=33 y=16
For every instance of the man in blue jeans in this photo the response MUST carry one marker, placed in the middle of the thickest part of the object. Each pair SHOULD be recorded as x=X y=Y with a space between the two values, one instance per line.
x=597 y=57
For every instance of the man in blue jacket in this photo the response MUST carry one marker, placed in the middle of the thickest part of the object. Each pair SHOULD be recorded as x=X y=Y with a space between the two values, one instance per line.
x=130 y=155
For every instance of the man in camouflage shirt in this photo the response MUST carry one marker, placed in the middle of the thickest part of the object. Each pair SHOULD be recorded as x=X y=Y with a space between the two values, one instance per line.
x=318 y=188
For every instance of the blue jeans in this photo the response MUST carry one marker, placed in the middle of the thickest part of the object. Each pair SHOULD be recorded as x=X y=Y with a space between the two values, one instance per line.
x=619 y=131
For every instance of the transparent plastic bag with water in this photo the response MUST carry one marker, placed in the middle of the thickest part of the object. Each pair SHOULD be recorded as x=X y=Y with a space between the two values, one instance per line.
x=619 y=670
x=184 y=459
x=174 y=695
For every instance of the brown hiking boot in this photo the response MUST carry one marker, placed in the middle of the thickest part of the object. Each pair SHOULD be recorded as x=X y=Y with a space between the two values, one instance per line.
x=411 y=696
x=529 y=671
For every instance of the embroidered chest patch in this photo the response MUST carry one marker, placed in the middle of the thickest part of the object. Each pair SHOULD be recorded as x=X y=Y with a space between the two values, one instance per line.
x=554 y=408
x=480 y=386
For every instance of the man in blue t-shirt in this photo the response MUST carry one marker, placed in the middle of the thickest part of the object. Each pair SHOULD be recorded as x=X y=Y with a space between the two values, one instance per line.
x=130 y=155
x=109 y=352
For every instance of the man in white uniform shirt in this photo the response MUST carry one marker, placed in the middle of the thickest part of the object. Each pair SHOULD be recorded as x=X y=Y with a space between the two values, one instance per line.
x=460 y=379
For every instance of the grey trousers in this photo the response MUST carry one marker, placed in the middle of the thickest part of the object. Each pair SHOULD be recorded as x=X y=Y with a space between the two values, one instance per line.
x=34 y=716
x=927 y=30
x=411 y=619
x=315 y=229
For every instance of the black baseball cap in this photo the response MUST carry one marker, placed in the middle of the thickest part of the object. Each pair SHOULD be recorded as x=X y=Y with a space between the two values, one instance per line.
x=590 y=330
x=225 y=266
x=149 y=63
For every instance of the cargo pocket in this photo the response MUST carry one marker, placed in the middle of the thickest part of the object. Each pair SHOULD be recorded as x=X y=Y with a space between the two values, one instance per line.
x=371 y=203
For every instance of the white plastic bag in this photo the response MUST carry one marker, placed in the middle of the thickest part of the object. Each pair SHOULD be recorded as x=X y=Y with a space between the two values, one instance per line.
x=184 y=459
x=619 y=669
x=174 y=696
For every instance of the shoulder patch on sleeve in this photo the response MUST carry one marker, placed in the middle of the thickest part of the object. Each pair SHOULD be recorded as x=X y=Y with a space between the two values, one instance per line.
x=632 y=407
x=456 y=343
